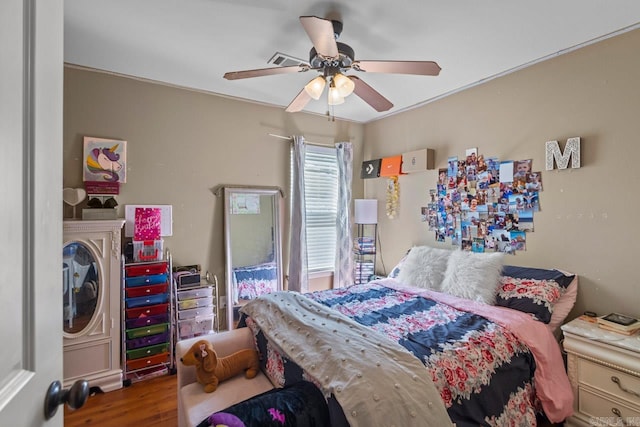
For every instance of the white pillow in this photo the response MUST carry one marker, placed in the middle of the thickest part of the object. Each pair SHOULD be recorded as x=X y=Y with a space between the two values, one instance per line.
x=424 y=267
x=473 y=275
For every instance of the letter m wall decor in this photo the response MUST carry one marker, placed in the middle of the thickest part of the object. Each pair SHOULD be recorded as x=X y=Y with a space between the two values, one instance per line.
x=571 y=150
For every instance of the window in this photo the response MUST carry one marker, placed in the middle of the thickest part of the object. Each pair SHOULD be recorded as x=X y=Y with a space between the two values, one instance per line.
x=321 y=199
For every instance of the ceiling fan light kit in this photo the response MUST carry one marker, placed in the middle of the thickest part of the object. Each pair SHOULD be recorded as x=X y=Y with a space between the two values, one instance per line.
x=334 y=96
x=315 y=87
x=333 y=59
x=344 y=84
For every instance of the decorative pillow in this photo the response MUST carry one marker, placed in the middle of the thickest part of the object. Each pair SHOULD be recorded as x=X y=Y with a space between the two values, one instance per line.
x=563 y=279
x=533 y=296
x=396 y=270
x=569 y=281
x=564 y=305
x=473 y=275
x=424 y=267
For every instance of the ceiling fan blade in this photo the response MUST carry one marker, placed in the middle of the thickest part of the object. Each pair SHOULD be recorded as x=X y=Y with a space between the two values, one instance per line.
x=235 y=75
x=423 y=68
x=370 y=95
x=320 y=31
x=299 y=102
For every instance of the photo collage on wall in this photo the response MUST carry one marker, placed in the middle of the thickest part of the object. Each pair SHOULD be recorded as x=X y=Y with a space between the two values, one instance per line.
x=483 y=204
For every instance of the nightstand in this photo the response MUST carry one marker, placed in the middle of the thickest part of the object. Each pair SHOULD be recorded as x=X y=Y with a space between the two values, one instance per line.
x=604 y=370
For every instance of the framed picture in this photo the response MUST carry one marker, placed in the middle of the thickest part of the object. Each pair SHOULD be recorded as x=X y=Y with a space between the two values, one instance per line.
x=105 y=160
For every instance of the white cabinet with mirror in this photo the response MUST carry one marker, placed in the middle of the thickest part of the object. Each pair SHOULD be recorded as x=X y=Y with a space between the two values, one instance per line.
x=91 y=302
x=253 y=245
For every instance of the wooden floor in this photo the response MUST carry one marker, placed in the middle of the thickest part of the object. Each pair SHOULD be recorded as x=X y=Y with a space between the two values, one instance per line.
x=146 y=403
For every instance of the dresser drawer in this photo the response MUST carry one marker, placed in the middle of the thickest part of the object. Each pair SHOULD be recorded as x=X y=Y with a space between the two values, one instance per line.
x=147 y=341
x=145 y=269
x=146 y=331
x=152 y=350
x=146 y=300
x=602 y=378
x=147 y=361
x=594 y=405
x=199 y=325
x=195 y=293
x=187 y=304
x=148 y=310
x=190 y=314
x=152 y=279
x=143 y=321
x=141 y=291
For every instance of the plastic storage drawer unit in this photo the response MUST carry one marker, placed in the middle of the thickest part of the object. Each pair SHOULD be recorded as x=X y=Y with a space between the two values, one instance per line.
x=195 y=303
x=195 y=293
x=146 y=362
x=146 y=331
x=148 y=300
x=141 y=291
x=149 y=310
x=147 y=341
x=147 y=351
x=147 y=321
x=189 y=314
x=152 y=279
x=145 y=269
x=198 y=325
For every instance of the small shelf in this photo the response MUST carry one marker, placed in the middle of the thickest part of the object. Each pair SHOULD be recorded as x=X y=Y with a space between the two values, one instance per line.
x=364 y=251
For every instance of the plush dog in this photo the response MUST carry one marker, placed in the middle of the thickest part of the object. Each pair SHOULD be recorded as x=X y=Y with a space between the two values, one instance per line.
x=211 y=369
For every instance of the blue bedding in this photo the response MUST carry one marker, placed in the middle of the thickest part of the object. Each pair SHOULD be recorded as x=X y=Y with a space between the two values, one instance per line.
x=255 y=280
x=483 y=373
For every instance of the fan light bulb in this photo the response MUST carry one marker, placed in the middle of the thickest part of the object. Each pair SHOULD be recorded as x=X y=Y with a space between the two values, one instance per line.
x=334 y=96
x=315 y=87
x=344 y=85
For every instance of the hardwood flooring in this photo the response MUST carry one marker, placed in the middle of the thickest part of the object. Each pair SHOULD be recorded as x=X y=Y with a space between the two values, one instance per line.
x=145 y=403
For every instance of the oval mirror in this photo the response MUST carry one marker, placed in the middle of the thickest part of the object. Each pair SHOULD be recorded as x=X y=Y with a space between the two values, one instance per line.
x=80 y=287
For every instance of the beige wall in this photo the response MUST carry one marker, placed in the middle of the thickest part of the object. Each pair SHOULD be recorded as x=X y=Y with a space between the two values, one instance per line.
x=588 y=219
x=181 y=145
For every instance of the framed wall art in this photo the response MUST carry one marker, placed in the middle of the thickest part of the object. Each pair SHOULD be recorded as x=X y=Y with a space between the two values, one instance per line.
x=105 y=160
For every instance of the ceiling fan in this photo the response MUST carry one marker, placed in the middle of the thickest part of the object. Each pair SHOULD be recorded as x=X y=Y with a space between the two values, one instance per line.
x=332 y=60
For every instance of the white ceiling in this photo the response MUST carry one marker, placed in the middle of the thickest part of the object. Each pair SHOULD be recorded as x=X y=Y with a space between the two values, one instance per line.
x=192 y=43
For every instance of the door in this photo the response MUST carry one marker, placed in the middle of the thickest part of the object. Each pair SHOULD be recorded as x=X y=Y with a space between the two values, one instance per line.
x=31 y=83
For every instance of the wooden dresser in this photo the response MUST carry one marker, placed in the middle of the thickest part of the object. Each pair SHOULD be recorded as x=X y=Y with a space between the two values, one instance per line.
x=604 y=370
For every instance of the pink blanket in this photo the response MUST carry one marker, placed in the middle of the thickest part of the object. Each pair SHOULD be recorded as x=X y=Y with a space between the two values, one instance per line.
x=551 y=381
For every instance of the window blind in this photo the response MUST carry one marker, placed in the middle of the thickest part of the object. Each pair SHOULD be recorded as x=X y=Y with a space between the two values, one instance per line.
x=321 y=199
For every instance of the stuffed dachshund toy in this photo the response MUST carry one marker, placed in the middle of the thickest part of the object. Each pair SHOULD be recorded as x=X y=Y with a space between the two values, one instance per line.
x=211 y=369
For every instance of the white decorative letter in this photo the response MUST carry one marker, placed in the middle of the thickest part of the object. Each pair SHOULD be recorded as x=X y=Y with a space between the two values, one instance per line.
x=571 y=149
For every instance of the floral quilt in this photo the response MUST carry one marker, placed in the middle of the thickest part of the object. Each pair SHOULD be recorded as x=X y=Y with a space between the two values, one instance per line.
x=483 y=372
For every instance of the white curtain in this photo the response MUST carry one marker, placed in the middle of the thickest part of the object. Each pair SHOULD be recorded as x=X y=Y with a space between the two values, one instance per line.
x=298 y=271
x=343 y=273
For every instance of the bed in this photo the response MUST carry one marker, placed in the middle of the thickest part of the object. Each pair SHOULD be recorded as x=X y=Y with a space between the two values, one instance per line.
x=491 y=357
x=254 y=280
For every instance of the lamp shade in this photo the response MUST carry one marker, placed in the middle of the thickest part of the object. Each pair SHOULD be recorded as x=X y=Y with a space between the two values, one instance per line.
x=344 y=85
x=334 y=96
x=315 y=87
x=366 y=211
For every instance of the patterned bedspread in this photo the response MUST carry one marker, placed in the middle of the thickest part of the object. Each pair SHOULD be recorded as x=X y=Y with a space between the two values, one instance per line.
x=483 y=372
x=255 y=280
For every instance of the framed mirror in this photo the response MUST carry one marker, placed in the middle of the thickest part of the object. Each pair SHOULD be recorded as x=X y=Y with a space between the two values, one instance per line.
x=80 y=287
x=252 y=245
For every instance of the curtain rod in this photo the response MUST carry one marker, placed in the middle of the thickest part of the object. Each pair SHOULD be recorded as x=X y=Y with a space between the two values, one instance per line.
x=288 y=138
